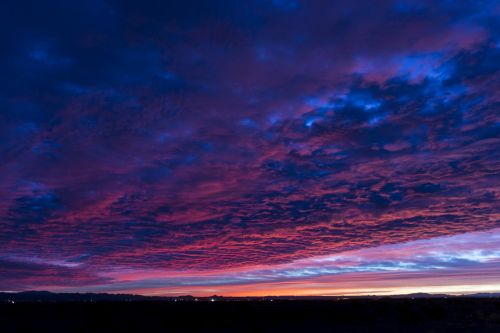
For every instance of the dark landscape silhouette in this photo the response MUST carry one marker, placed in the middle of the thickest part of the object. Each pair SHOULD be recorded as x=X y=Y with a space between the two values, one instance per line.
x=52 y=312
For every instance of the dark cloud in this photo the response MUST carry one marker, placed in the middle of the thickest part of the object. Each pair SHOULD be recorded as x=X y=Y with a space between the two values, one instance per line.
x=19 y=274
x=211 y=135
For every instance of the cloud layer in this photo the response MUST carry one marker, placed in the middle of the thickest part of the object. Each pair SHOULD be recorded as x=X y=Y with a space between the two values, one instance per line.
x=224 y=136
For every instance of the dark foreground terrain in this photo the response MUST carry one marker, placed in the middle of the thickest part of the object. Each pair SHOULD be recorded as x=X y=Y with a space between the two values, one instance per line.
x=351 y=315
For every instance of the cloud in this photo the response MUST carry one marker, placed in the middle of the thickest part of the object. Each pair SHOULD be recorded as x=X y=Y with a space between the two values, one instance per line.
x=205 y=137
x=460 y=258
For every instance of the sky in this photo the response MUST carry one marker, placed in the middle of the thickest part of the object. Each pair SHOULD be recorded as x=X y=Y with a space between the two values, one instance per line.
x=266 y=147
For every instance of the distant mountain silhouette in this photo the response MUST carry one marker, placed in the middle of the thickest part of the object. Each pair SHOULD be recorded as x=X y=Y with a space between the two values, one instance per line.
x=46 y=296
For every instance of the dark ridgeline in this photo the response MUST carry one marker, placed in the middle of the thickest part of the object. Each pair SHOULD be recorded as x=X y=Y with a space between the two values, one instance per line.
x=47 y=312
x=47 y=296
